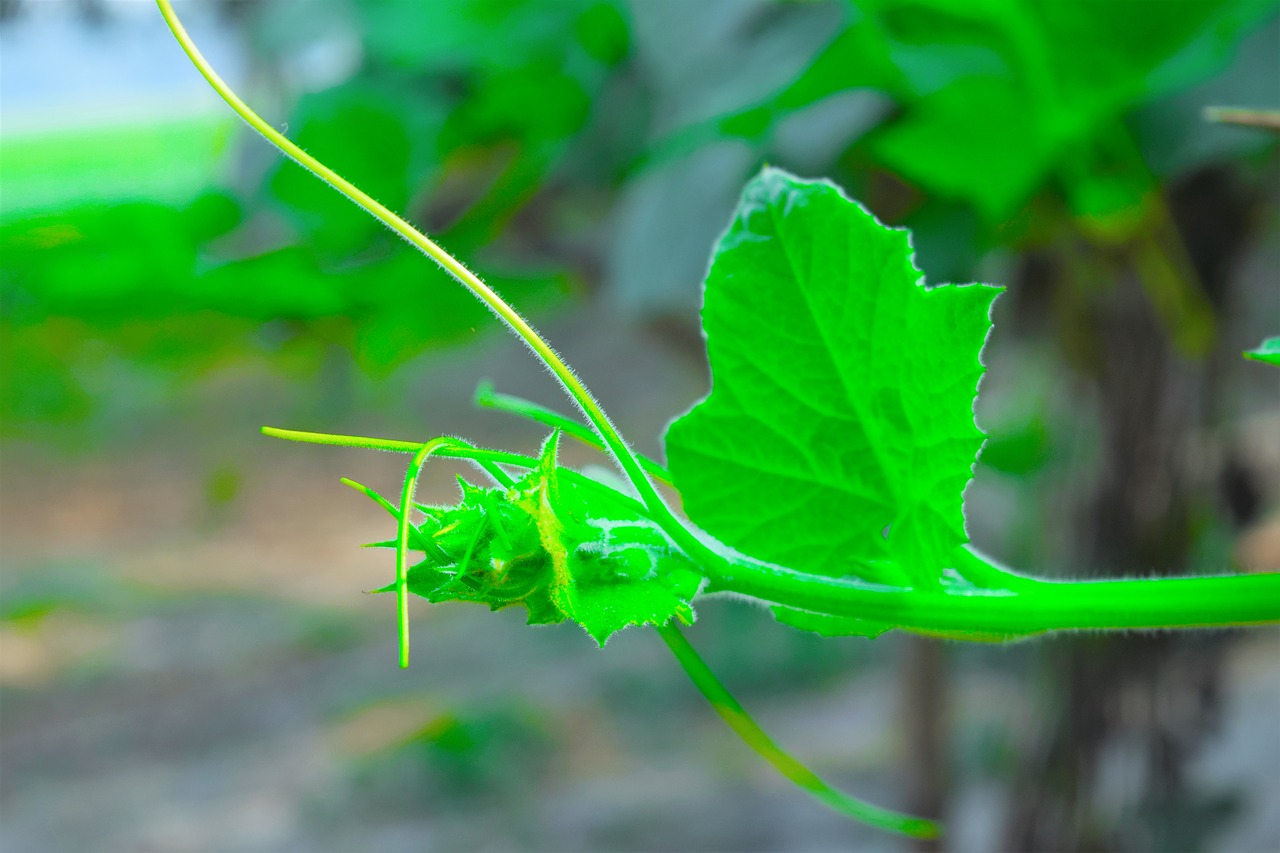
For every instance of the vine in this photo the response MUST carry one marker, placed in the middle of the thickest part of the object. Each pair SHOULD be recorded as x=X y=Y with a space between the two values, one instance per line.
x=822 y=476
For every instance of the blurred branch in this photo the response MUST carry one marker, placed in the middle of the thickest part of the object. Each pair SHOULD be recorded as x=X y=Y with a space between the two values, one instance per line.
x=1264 y=119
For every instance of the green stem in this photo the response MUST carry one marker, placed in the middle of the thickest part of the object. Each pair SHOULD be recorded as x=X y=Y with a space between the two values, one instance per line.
x=403 y=526
x=456 y=448
x=1009 y=605
x=488 y=398
x=1036 y=606
x=755 y=737
x=365 y=443
x=577 y=391
x=983 y=572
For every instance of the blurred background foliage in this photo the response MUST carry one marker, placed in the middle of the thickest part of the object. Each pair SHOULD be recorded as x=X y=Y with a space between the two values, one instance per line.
x=582 y=156
x=573 y=146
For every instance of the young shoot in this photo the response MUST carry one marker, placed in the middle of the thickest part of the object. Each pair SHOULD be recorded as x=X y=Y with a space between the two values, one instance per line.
x=822 y=476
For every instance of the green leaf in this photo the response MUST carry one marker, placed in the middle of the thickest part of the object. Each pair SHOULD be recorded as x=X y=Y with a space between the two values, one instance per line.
x=1269 y=352
x=838 y=436
x=997 y=94
x=559 y=544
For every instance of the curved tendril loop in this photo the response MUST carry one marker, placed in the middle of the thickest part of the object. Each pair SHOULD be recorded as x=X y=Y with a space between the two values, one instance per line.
x=403 y=526
x=439 y=446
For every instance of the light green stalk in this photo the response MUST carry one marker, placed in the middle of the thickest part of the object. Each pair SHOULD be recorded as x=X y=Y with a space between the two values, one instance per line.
x=577 y=391
x=755 y=737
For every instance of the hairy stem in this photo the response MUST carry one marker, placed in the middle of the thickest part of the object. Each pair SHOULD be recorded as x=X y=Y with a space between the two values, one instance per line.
x=403 y=526
x=456 y=448
x=1036 y=606
x=755 y=737
x=1005 y=605
x=488 y=398
x=577 y=391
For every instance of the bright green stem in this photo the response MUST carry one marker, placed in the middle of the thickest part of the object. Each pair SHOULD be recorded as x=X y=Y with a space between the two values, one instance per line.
x=617 y=447
x=1036 y=606
x=755 y=737
x=1006 y=604
x=456 y=448
x=390 y=445
x=1011 y=605
x=404 y=525
x=488 y=398
x=483 y=457
x=984 y=573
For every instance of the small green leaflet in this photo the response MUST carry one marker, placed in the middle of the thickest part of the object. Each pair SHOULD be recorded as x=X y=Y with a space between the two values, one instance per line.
x=838 y=436
x=1269 y=352
x=557 y=543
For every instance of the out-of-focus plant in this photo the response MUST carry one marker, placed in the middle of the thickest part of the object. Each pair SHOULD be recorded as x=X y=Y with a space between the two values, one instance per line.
x=656 y=109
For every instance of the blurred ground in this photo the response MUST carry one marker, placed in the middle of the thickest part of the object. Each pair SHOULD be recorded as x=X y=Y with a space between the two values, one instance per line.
x=188 y=663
